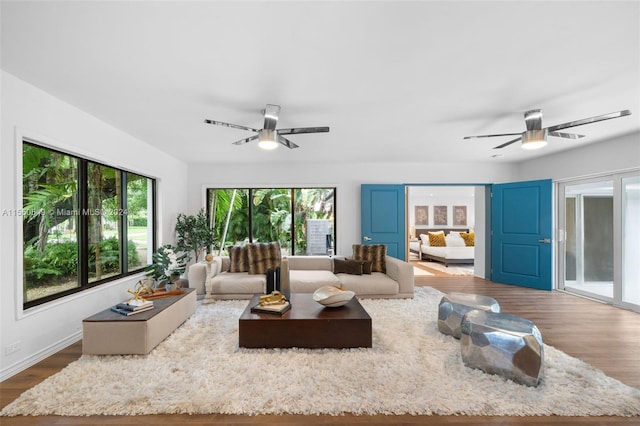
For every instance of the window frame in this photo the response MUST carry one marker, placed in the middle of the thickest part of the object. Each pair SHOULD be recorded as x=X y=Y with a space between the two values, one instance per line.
x=83 y=231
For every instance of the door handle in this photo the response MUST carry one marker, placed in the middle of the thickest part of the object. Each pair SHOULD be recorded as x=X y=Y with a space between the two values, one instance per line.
x=545 y=240
x=365 y=238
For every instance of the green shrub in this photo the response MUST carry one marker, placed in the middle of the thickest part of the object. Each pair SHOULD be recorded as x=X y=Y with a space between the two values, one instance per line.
x=59 y=261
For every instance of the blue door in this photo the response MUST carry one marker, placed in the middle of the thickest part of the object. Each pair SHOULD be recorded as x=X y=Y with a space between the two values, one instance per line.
x=521 y=231
x=383 y=217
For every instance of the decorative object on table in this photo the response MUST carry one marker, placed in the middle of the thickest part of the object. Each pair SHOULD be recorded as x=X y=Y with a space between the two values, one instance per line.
x=167 y=262
x=128 y=312
x=454 y=306
x=332 y=297
x=273 y=303
x=193 y=234
x=502 y=344
x=271 y=281
x=285 y=286
x=142 y=288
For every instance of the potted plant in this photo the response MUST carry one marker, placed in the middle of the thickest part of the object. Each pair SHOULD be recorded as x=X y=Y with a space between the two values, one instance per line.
x=193 y=234
x=167 y=265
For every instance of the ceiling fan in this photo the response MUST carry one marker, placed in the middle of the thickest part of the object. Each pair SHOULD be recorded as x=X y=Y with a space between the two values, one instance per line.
x=269 y=137
x=536 y=136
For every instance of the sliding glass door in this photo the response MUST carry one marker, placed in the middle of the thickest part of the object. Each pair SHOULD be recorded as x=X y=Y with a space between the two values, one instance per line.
x=600 y=237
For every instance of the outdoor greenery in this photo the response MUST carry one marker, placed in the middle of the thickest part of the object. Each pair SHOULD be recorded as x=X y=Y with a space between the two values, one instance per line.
x=53 y=215
x=59 y=261
x=272 y=213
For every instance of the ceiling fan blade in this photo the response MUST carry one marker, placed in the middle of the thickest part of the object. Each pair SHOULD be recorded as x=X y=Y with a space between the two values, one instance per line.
x=492 y=136
x=235 y=126
x=245 y=140
x=508 y=143
x=271 y=113
x=286 y=142
x=533 y=119
x=589 y=120
x=303 y=130
x=566 y=135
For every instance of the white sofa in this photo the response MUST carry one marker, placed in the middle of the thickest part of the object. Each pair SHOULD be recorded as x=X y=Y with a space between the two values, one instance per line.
x=307 y=273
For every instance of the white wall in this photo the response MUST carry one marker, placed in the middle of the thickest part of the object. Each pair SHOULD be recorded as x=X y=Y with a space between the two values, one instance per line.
x=28 y=111
x=613 y=155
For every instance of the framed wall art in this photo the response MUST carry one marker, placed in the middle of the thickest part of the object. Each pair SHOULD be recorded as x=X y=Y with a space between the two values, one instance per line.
x=421 y=215
x=459 y=215
x=440 y=215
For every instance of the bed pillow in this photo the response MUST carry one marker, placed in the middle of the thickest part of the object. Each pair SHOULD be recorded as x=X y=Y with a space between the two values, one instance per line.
x=424 y=238
x=347 y=266
x=263 y=256
x=469 y=238
x=454 y=240
x=374 y=253
x=238 y=259
x=436 y=239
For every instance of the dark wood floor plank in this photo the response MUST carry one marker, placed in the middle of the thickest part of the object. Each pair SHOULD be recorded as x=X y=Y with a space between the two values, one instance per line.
x=604 y=336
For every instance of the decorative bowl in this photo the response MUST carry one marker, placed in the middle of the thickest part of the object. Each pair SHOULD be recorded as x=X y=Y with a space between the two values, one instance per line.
x=332 y=297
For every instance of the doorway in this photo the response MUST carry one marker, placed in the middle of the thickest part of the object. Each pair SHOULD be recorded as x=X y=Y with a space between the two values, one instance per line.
x=442 y=208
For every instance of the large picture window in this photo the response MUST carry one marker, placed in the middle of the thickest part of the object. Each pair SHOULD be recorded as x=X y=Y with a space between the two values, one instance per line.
x=84 y=223
x=302 y=220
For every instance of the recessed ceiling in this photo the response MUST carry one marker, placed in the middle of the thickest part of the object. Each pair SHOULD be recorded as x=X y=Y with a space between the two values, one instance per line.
x=395 y=80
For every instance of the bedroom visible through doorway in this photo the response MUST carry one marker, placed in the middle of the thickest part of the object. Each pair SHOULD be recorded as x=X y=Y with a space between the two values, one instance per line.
x=451 y=212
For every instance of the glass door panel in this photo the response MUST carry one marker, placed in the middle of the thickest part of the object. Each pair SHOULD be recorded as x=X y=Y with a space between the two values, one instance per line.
x=589 y=238
x=631 y=240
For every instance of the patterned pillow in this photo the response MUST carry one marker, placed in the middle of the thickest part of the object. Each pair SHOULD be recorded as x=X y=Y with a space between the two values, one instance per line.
x=436 y=239
x=238 y=258
x=374 y=253
x=263 y=256
x=469 y=238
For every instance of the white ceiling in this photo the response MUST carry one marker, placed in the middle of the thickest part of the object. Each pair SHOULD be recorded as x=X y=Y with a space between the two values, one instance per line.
x=395 y=81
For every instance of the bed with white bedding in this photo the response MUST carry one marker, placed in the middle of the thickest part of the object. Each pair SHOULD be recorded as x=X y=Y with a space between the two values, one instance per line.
x=455 y=251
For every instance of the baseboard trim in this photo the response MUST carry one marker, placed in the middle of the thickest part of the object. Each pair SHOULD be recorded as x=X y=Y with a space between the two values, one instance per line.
x=35 y=358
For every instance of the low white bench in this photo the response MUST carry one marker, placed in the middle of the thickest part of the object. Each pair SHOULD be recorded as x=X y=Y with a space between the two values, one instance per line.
x=110 y=333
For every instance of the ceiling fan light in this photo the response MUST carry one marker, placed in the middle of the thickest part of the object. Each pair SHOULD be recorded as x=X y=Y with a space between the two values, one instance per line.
x=534 y=139
x=267 y=139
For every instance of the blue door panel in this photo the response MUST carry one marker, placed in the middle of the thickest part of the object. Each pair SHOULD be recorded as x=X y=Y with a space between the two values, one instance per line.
x=383 y=217
x=518 y=259
x=521 y=230
x=526 y=201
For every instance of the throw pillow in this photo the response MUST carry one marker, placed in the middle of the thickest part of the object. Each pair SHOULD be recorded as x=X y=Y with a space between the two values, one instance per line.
x=367 y=266
x=425 y=239
x=374 y=253
x=238 y=259
x=348 y=266
x=436 y=239
x=469 y=238
x=263 y=256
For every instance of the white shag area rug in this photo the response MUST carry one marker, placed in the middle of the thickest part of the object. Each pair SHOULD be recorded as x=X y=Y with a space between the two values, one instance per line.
x=451 y=269
x=411 y=369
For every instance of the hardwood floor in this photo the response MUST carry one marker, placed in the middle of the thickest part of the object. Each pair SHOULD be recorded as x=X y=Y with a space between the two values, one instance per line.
x=606 y=337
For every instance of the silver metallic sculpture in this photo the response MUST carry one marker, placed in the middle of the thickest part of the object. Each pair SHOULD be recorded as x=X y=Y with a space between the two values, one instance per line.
x=502 y=344
x=453 y=306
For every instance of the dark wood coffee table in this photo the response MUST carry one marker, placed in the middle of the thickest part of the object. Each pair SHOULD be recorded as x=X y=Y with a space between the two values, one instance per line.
x=307 y=324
